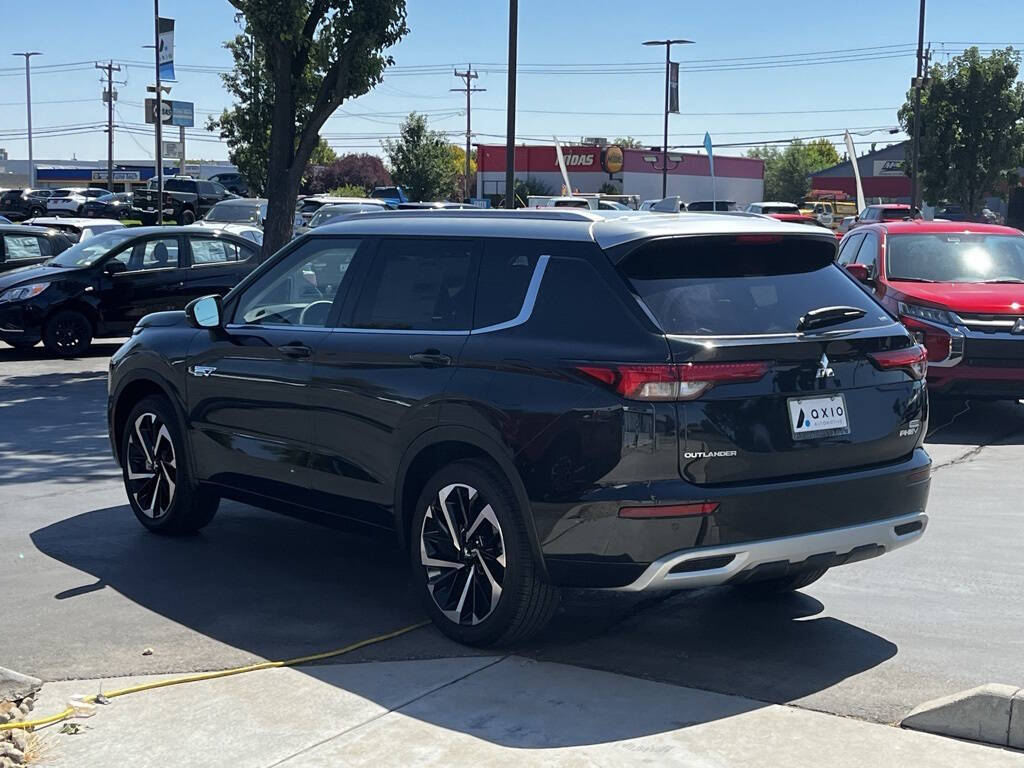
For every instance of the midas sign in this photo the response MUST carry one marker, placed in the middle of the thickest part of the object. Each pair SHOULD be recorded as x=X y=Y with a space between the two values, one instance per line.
x=612 y=159
x=577 y=159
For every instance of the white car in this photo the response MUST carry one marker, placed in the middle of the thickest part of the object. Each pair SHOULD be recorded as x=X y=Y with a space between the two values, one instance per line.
x=75 y=228
x=69 y=201
x=241 y=214
x=766 y=209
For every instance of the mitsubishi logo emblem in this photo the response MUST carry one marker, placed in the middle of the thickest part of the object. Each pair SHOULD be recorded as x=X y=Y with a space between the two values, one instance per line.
x=824 y=371
x=1019 y=326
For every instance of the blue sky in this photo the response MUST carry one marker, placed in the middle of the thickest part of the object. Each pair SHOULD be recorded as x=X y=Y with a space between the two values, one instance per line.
x=820 y=97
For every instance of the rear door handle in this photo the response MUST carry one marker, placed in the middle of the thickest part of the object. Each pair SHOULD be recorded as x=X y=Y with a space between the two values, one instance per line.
x=431 y=358
x=295 y=349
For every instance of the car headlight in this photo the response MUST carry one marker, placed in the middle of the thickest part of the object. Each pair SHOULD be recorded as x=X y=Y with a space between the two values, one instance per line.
x=931 y=314
x=23 y=292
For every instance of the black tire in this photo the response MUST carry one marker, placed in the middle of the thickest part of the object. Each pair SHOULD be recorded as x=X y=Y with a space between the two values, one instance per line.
x=780 y=586
x=67 y=333
x=157 y=479
x=34 y=212
x=524 y=604
x=187 y=217
x=147 y=219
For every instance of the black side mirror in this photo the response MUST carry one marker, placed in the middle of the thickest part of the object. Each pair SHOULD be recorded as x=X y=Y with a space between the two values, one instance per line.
x=205 y=312
x=114 y=267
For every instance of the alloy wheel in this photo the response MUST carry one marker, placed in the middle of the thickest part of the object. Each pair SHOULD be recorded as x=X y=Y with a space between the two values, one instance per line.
x=463 y=552
x=152 y=469
x=68 y=334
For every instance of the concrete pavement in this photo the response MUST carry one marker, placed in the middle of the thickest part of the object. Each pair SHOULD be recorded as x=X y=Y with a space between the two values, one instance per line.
x=479 y=711
x=91 y=589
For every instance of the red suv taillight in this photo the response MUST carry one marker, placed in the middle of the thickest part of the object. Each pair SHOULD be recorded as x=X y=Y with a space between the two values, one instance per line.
x=684 y=381
x=914 y=360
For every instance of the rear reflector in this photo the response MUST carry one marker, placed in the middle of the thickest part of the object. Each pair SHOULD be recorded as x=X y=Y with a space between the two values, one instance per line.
x=670 y=381
x=914 y=360
x=672 y=510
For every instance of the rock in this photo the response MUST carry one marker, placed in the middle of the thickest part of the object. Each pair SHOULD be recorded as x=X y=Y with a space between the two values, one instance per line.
x=19 y=738
x=15 y=686
x=6 y=762
x=9 y=750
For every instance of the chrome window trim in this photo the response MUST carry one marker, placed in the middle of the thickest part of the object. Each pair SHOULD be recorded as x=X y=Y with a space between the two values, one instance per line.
x=529 y=301
x=525 y=312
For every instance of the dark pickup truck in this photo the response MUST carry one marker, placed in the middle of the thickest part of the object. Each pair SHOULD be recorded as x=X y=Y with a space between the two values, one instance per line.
x=185 y=199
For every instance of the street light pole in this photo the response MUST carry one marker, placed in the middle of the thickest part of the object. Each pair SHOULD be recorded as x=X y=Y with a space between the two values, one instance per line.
x=28 y=105
x=668 y=73
x=510 y=107
x=159 y=117
x=915 y=185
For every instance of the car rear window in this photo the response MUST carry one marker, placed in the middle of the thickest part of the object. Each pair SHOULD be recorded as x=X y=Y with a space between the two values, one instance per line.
x=733 y=286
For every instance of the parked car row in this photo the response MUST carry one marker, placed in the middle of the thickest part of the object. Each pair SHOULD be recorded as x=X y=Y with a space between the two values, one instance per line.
x=66 y=294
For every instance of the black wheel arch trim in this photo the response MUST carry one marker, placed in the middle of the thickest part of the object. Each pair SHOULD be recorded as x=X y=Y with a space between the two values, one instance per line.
x=494 y=451
x=166 y=388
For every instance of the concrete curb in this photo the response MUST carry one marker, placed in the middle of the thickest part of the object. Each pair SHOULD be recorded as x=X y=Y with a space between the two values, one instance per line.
x=992 y=714
x=15 y=686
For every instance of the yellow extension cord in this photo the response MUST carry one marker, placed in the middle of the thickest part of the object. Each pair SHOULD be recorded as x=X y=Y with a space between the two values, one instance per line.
x=70 y=711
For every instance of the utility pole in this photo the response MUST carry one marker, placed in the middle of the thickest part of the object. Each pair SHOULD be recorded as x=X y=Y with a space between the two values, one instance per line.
x=510 y=107
x=915 y=182
x=28 y=104
x=109 y=96
x=469 y=75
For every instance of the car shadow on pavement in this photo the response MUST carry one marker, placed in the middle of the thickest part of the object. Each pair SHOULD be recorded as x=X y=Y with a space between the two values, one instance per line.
x=54 y=428
x=279 y=588
x=975 y=422
x=39 y=352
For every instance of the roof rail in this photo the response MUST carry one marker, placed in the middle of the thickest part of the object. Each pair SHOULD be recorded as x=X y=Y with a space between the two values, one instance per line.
x=550 y=214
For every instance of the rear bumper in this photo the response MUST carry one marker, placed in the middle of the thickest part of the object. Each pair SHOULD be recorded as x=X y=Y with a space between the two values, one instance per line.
x=771 y=558
x=966 y=380
x=590 y=546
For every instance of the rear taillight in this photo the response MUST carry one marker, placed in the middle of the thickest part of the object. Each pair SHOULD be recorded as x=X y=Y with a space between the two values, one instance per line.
x=699 y=509
x=670 y=381
x=914 y=360
x=936 y=341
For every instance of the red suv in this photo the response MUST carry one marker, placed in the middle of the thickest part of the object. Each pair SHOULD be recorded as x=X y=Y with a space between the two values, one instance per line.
x=959 y=287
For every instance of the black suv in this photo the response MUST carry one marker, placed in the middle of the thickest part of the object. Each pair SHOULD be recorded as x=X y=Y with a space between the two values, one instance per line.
x=540 y=399
x=24 y=246
x=18 y=204
x=105 y=285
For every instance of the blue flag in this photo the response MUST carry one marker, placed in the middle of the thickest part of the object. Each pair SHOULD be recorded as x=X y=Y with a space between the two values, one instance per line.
x=707 y=148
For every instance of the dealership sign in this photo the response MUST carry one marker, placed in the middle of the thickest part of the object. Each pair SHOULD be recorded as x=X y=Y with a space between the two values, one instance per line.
x=121 y=176
x=888 y=168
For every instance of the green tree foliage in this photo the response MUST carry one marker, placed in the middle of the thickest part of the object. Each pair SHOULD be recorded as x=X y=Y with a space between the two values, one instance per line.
x=972 y=127
x=311 y=56
x=609 y=188
x=787 y=172
x=246 y=125
x=628 y=142
x=421 y=160
x=322 y=154
x=348 y=190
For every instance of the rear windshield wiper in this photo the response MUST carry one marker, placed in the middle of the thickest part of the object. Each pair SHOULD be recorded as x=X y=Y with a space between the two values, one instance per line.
x=823 y=316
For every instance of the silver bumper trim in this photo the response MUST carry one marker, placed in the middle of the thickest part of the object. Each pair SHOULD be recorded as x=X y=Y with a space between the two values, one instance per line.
x=794 y=549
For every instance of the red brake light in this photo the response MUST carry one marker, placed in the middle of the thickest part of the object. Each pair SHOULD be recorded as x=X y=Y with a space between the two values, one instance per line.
x=913 y=359
x=670 y=381
x=699 y=509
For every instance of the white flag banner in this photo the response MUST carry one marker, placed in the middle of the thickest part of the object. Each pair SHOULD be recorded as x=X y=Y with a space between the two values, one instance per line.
x=852 y=152
x=166 y=43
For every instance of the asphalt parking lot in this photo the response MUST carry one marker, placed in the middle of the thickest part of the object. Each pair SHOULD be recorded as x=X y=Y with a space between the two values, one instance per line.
x=85 y=589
